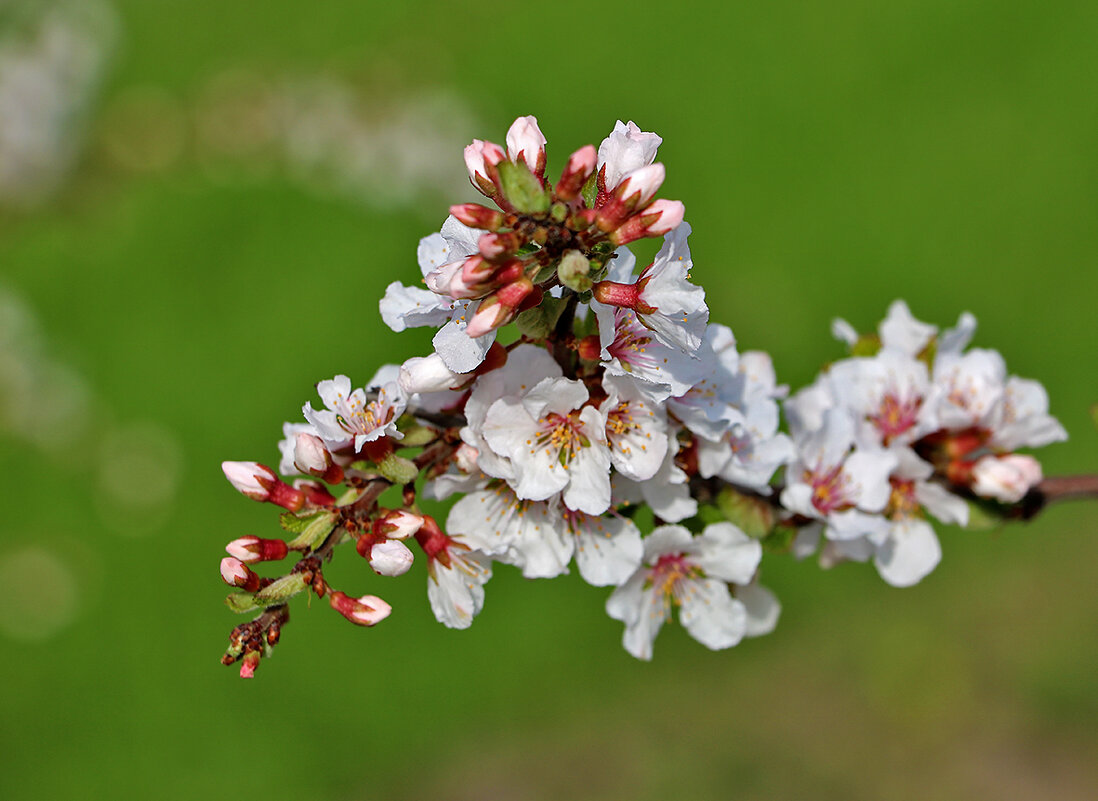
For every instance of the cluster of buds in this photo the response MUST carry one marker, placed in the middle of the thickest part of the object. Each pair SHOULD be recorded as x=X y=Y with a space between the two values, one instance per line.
x=617 y=394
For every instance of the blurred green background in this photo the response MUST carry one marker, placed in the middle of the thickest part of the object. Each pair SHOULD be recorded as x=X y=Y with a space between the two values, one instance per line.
x=209 y=217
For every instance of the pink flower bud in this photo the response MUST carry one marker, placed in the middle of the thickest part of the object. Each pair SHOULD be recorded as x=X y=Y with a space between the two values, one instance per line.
x=480 y=159
x=310 y=454
x=499 y=246
x=477 y=216
x=250 y=478
x=657 y=219
x=390 y=558
x=499 y=308
x=398 y=524
x=526 y=141
x=428 y=374
x=1005 y=478
x=465 y=457
x=237 y=574
x=641 y=184
x=366 y=611
x=254 y=549
x=581 y=165
x=438 y=280
x=248 y=665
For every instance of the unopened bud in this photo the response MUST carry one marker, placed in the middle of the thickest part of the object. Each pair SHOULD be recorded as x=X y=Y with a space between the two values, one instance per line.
x=526 y=141
x=480 y=159
x=255 y=549
x=574 y=271
x=438 y=280
x=465 y=457
x=428 y=374
x=237 y=574
x=390 y=558
x=580 y=168
x=500 y=307
x=495 y=246
x=365 y=611
x=1005 y=478
x=477 y=216
x=589 y=348
x=641 y=185
x=310 y=454
x=260 y=483
x=248 y=665
x=657 y=219
x=250 y=478
x=398 y=524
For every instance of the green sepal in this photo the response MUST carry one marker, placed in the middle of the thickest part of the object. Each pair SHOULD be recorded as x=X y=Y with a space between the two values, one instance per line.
x=397 y=469
x=241 y=602
x=309 y=529
x=754 y=516
x=590 y=190
x=522 y=190
x=539 y=322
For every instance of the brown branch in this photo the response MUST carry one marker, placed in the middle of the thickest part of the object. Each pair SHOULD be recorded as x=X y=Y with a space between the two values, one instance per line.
x=1053 y=490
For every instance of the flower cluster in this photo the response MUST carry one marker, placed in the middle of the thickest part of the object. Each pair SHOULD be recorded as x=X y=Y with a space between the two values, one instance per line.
x=579 y=410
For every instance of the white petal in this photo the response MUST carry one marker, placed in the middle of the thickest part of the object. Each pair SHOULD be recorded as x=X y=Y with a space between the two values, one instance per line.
x=763 y=608
x=711 y=615
x=909 y=554
x=608 y=548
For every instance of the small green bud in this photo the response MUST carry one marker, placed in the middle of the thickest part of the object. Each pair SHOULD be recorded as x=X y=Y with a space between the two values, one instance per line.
x=397 y=469
x=310 y=529
x=754 y=516
x=574 y=271
x=241 y=602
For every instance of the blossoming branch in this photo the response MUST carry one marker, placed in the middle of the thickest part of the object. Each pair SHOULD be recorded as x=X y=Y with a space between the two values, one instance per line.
x=580 y=411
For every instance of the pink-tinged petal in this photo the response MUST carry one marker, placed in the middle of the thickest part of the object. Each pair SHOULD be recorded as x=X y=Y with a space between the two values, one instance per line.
x=909 y=554
x=627 y=148
x=711 y=615
x=526 y=139
x=1005 y=478
x=405 y=307
x=456 y=594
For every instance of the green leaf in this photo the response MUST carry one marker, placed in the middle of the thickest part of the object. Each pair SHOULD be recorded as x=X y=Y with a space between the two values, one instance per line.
x=309 y=529
x=416 y=436
x=538 y=322
x=241 y=602
x=522 y=189
x=397 y=469
x=590 y=190
x=984 y=515
x=753 y=515
x=280 y=590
